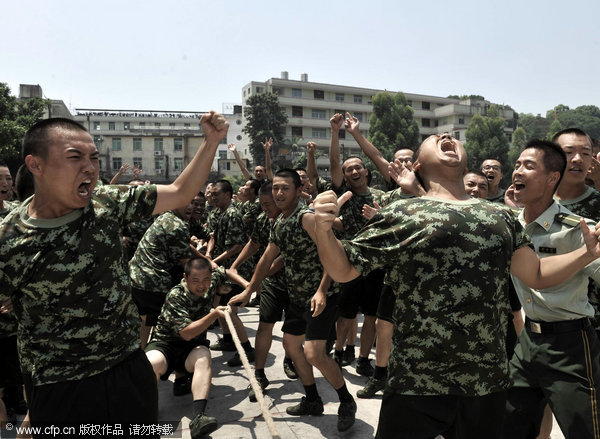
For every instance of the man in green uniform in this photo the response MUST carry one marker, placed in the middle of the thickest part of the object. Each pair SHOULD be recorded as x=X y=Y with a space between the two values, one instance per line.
x=492 y=169
x=311 y=312
x=448 y=258
x=63 y=266
x=556 y=360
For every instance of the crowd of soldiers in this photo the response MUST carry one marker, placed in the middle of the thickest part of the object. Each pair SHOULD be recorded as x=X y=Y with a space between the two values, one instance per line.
x=480 y=300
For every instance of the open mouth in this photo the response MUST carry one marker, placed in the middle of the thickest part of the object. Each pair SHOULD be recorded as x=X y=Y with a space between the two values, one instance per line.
x=84 y=188
x=448 y=147
x=518 y=186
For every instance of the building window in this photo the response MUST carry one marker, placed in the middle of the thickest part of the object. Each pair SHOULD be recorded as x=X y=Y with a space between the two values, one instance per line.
x=125 y=125
x=297 y=111
x=457 y=135
x=339 y=97
x=97 y=126
x=359 y=116
x=296 y=92
x=137 y=162
x=319 y=94
x=319 y=133
x=142 y=124
x=425 y=105
x=177 y=144
x=158 y=164
x=357 y=99
x=222 y=154
x=117 y=162
x=171 y=124
x=297 y=131
x=116 y=144
x=137 y=143
x=225 y=166
x=436 y=123
x=186 y=125
x=409 y=102
x=98 y=141
x=111 y=126
x=318 y=114
x=178 y=163
x=461 y=120
x=342 y=134
x=260 y=90
x=158 y=144
x=425 y=122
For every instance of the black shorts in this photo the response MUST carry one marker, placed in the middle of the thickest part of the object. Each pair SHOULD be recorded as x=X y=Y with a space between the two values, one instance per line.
x=273 y=302
x=149 y=304
x=125 y=394
x=225 y=298
x=299 y=321
x=176 y=352
x=387 y=301
x=10 y=369
x=361 y=293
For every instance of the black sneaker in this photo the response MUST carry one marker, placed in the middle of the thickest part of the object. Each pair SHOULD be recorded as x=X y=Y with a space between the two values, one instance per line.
x=346 y=415
x=289 y=369
x=348 y=358
x=254 y=302
x=202 y=425
x=263 y=382
x=222 y=345
x=313 y=408
x=236 y=361
x=363 y=367
x=371 y=388
x=182 y=385
x=339 y=359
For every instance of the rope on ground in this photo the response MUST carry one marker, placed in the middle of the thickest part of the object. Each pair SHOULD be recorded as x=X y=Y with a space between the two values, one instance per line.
x=255 y=386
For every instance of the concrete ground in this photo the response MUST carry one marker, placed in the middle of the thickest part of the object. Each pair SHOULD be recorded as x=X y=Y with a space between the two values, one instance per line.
x=240 y=418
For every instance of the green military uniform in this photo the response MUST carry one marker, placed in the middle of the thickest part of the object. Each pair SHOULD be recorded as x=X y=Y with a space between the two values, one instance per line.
x=250 y=211
x=69 y=285
x=393 y=195
x=499 y=197
x=228 y=231
x=558 y=354
x=135 y=232
x=197 y=229
x=351 y=212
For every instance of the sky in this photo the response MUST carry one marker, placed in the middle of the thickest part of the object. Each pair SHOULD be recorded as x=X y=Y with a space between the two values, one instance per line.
x=197 y=55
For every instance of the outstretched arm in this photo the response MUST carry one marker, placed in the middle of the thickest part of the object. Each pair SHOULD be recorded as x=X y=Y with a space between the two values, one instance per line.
x=192 y=178
x=267 y=147
x=335 y=169
x=231 y=147
x=122 y=170
x=311 y=164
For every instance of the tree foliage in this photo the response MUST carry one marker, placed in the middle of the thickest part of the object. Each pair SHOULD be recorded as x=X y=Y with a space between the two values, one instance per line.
x=264 y=118
x=486 y=140
x=16 y=116
x=392 y=125
x=585 y=117
x=555 y=127
x=519 y=140
x=536 y=127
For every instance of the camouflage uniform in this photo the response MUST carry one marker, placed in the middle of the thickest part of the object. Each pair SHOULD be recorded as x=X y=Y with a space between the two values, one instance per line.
x=69 y=285
x=197 y=229
x=135 y=231
x=8 y=323
x=351 y=212
x=161 y=249
x=229 y=231
x=394 y=195
x=499 y=198
x=449 y=263
x=250 y=211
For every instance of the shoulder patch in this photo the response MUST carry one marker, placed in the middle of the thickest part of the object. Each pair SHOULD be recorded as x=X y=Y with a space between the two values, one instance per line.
x=568 y=220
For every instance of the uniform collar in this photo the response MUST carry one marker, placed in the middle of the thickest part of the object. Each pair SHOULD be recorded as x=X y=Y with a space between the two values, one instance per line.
x=547 y=218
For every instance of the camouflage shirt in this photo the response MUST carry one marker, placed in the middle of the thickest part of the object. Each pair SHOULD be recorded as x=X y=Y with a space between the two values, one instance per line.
x=449 y=265
x=250 y=211
x=302 y=267
x=69 y=285
x=394 y=195
x=211 y=220
x=229 y=231
x=182 y=307
x=351 y=212
x=499 y=197
x=8 y=323
x=197 y=229
x=260 y=236
x=162 y=248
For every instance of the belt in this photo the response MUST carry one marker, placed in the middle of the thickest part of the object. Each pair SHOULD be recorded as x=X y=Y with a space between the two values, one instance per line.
x=556 y=327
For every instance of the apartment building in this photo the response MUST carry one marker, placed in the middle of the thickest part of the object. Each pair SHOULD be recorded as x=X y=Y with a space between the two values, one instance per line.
x=310 y=105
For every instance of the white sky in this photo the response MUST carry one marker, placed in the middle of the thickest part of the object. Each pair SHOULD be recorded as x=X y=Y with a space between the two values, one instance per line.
x=196 y=55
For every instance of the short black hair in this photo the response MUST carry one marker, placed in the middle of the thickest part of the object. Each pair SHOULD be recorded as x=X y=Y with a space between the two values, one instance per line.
x=266 y=189
x=225 y=186
x=353 y=157
x=196 y=264
x=36 y=139
x=255 y=185
x=555 y=159
x=290 y=173
x=479 y=174
x=576 y=131
x=24 y=183
x=201 y=195
x=299 y=168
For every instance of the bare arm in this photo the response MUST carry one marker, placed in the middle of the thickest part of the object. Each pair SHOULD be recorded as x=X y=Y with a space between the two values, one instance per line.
x=192 y=178
x=197 y=327
x=249 y=249
x=239 y=161
x=311 y=164
x=235 y=277
x=267 y=146
x=122 y=170
x=352 y=126
x=335 y=169
x=231 y=251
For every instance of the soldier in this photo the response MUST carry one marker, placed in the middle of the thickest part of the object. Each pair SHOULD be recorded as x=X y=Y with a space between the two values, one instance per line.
x=448 y=257
x=250 y=209
x=63 y=266
x=227 y=240
x=180 y=342
x=352 y=175
x=158 y=260
x=476 y=184
x=198 y=232
x=6 y=183
x=492 y=169
x=312 y=308
x=556 y=358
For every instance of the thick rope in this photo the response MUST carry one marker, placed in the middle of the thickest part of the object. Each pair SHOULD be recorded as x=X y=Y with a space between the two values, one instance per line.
x=255 y=386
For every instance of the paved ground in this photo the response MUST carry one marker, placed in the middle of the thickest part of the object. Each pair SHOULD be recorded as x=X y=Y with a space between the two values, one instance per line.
x=240 y=418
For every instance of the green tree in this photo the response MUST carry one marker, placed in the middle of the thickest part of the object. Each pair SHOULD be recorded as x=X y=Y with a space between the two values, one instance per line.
x=555 y=127
x=264 y=118
x=486 y=139
x=536 y=127
x=519 y=140
x=392 y=125
x=16 y=116
x=585 y=117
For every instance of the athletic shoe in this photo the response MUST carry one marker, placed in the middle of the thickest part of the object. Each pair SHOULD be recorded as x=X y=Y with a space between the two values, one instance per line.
x=182 y=385
x=313 y=408
x=263 y=382
x=289 y=369
x=339 y=359
x=202 y=425
x=346 y=415
x=371 y=388
x=236 y=361
x=363 y=367
x=222 y=345
x=348 y=358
